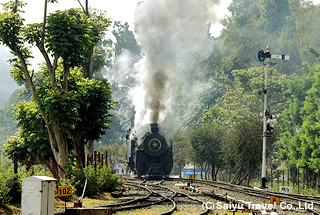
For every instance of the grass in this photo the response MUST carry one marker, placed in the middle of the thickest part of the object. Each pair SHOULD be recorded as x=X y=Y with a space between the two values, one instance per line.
x=156 y=210
x=276 y=187
x=10 y=209
x=97 y=200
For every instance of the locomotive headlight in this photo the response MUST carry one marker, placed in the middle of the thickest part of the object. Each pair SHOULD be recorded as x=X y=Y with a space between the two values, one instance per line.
x=154 y=145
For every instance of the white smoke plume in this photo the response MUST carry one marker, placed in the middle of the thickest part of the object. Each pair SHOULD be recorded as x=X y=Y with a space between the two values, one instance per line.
x=168 y=30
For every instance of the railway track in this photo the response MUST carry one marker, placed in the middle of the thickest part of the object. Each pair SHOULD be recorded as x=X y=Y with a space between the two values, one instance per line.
x=143 y=197
x=187 y=201
x=290 y=203
x=154 y=194
x=164 y=197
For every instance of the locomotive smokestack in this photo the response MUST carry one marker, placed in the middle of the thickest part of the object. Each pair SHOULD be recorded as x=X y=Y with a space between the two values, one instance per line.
x=154 y=127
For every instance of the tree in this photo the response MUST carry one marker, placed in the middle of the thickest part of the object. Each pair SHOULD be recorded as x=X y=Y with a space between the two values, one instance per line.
x=206 y=142
x=254 y=25
x=181 y=149
x=239 y=111
x=116 y=153
x=305 y=16
x=121 y=72
x=31 y=143
x=242 y=99
x=291 y=120
x=214 y=149
x=300 y=144
x=125 y=39
x=82 y=115
x=68 y=36
x=242 y=148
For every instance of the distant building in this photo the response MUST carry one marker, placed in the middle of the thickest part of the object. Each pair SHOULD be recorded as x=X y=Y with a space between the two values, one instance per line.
x=191 y=170
x=119 y=168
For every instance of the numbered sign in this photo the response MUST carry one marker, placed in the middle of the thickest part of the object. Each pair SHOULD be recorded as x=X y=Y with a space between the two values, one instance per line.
x=65 y=191
x=284 y=189
x=275 y=200
x=191 y=176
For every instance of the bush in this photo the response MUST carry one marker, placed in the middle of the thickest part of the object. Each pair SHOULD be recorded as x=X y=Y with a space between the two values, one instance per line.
x=99 y=181
x=10 y=185
x=5 y=185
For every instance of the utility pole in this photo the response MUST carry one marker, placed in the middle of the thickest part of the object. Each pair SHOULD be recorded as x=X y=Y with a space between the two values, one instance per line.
x=267 y=129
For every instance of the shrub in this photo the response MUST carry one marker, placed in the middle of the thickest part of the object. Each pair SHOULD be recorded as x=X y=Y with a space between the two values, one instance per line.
x=11 y=184
x=98 y=181
x=5 y=188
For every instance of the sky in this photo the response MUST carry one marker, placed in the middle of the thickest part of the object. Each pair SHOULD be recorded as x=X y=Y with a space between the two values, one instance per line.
x=119 y=10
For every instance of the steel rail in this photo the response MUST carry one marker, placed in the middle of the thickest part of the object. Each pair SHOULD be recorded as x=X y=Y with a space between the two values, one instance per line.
x=263 y=193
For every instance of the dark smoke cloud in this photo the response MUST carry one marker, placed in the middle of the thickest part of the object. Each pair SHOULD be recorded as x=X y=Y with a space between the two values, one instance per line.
x=168 y=30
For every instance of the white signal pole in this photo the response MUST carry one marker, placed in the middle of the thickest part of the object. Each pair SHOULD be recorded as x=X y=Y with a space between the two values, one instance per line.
x=266 y=114
x=264 y=135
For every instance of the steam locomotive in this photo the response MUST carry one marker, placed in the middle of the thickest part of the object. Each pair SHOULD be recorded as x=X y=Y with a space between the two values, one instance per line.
x=149 y=156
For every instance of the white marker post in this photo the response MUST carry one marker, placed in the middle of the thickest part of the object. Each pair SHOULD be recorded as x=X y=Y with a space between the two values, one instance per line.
x=266 y=114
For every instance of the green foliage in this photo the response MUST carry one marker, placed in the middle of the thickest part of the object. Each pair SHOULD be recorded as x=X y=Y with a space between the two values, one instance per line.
x=14 y=6
x=181 y=149
x=10 y=185
x=84 y=108
x=71 y=33
x=243 y=143
x=253 y=25
x=124 y=39
x=300 y=144
x=310 y=128
x=32 y=138
x=11 y=24
x=33 y=33
x=116 y=152
x=11 y=30
x=206 y=143
x=98 y=181
x=71 y=36
x=5 y=178
x=242 y=99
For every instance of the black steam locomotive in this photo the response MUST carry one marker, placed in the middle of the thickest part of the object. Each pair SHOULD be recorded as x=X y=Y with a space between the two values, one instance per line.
x=149 y=156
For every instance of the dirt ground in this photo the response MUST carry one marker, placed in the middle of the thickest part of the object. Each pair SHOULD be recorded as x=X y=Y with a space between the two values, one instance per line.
x=10 y=209
x=97 y=200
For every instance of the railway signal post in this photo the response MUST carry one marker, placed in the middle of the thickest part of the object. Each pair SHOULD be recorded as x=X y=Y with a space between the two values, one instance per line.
x=266 y=115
